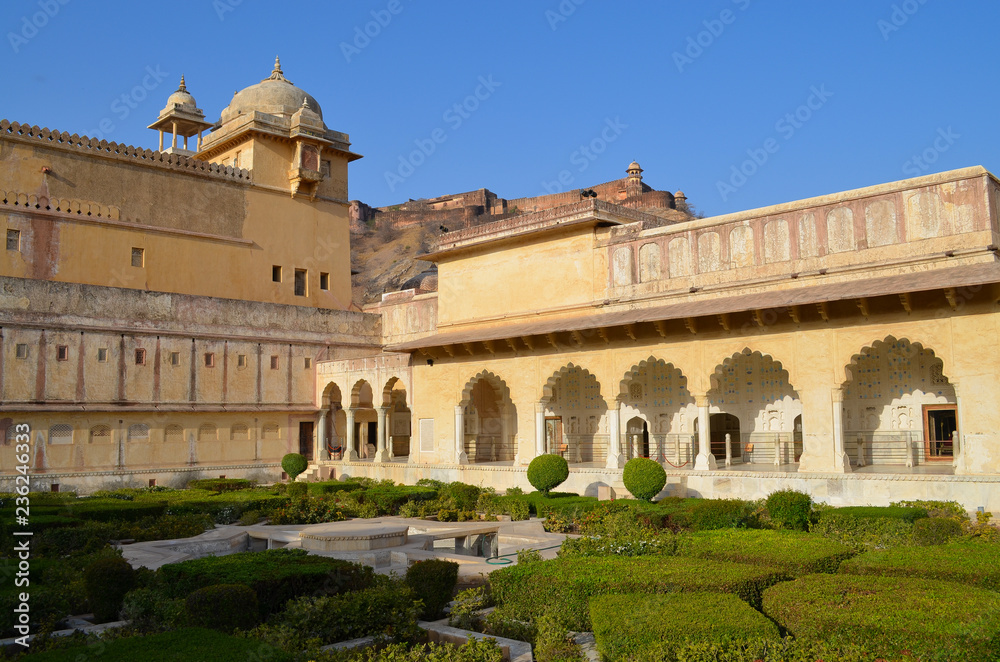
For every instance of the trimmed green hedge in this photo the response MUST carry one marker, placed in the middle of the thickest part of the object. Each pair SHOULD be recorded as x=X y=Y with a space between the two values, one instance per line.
x=936 y=530
x=332 y=486
x=276 y=575
x=184 y=645
x=887 y=615
x=389 y=499
x=792 y=552
x=654 y=627
x=526 y=591
x=965 y=562
x=221 y=484
x=869 y=527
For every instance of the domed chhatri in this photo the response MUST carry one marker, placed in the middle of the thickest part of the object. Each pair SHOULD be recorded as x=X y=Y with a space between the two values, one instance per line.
x=275 y=95
x=634 y=166
x=181 y=97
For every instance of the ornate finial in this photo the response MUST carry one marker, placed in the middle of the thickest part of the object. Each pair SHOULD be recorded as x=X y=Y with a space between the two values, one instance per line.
x=277 y=73
x=183 y=86
x=305 y=103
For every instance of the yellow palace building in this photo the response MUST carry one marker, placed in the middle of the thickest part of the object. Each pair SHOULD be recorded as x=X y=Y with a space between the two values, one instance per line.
x=844 y=345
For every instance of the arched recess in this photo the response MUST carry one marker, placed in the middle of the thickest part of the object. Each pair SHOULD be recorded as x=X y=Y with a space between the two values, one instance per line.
x=657 y=392
x=755 y=389
x=397 y=418
x=576 y=424
x=897 y=402
x=365 y=419
x=490 y=419
x=335 y=426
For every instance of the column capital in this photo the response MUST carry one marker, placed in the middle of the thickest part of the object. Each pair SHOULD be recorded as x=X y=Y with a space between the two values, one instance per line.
x=459 y=409
x=837 y=394
x=701 y=399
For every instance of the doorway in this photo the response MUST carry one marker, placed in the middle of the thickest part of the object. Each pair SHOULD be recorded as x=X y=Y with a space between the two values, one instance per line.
x=554 y=436
x=306 y=439
x=637 y=431
x=940 y=428
x=719 y=426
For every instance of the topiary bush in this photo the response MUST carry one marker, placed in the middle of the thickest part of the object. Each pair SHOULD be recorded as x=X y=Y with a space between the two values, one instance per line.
x=935 y=530
x=653 y=627
x=224 y=607
x=294 y=464
x=433 y=581
x=790 y=509
x=547 y=472
x=644 y=478
x=107 y=580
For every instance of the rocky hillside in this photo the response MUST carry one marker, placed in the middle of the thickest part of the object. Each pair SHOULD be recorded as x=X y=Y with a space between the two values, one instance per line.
x=385 y=258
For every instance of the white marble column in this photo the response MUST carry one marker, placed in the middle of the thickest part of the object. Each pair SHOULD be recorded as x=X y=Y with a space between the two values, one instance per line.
x=381 y=454
x=320 y=452
x=539 y=429
x=460 y=455
x=729 y=450
x=349 y=455
x=958 y=440
x=704 y=461
x=840 y=460
x=615 y=460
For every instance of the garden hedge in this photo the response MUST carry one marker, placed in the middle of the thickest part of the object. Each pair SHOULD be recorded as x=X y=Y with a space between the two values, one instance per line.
x=526 y=591
x=966 y=562
x=332 y=486
x=224 y=607
x=433 y=581
x=934 y=620
x=654 y=627
x=183 y=645
x=869 y=527
x=936 y=530
x=790 y=509
x=276 y=575
x=793 y=552
x=220 y=484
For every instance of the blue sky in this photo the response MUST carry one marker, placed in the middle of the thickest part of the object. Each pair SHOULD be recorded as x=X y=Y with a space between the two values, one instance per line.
x=739 y=103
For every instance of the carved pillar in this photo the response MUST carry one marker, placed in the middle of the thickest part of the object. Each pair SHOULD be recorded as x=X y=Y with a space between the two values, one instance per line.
x=539 y=429
x=350 y=455
x=615 y=460
x=460 y=455
x=705 y=461
x=840 y=460
x=729 y=451
x=958 y=438
x=381 y=455
x=320 y=450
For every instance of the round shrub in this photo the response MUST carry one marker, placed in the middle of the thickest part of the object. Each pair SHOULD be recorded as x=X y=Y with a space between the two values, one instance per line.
x=935 y=530
x=644 y=478
x=546 y=472
x=224 y=607
x=294 y=464
x=519 y=509
x=789 y=509
x=107 y=580
x=433 y=581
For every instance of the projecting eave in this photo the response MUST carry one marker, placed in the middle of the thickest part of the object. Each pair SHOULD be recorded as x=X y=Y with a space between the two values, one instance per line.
x=603 y=316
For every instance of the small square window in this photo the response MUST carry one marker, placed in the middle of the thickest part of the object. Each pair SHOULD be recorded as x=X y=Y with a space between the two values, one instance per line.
x=324 y=281
x=308 y=363
x=13 y=240
x=152 y=482
x=102 y=354
x=21 y=351
x=140 y=357
x=209 y=359
x=62 y=352
x=276 y=273
x=274 y=362
x=138 y=257
x=300 y=282
x=241 y=360
x=175 y=358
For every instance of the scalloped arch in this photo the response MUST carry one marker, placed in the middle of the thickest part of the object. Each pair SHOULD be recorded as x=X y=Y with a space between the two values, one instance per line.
x=914 y=348
x=746 y=352
x=647 y=362
x=494 y=380
x=332 y=393
x=560 y=373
